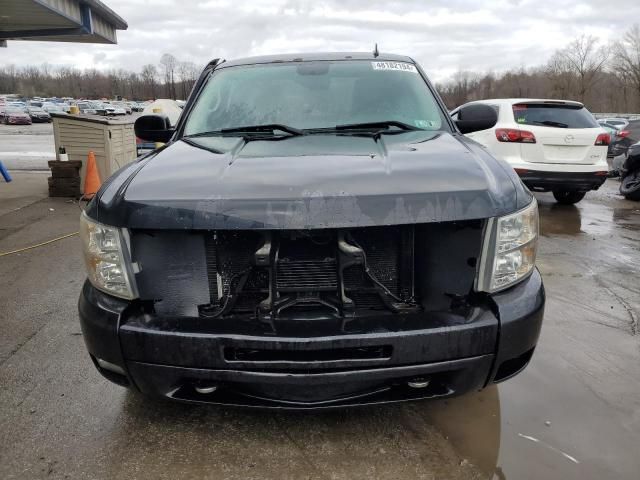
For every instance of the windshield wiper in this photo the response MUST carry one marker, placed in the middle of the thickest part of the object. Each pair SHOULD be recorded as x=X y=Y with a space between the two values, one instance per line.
x=551 y=123
x=272 y=127
x=268 y=128
x=369 y=128
x=384 y=125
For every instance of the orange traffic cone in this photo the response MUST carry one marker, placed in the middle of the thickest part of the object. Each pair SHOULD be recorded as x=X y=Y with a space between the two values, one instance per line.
x=92 y=178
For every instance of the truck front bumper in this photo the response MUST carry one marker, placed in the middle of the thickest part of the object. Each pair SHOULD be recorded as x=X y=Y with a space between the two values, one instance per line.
x=370 y=361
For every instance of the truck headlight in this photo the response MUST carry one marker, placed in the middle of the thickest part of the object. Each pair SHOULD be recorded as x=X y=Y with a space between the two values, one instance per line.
x=106 y=260
x=509 y=250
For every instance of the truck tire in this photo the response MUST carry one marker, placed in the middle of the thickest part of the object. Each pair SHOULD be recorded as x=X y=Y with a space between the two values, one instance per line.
x=567 y=197
x=630 y=186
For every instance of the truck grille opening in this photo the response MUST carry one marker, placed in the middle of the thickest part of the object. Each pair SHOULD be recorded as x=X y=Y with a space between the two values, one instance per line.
x=331 y=271
x=308 y=274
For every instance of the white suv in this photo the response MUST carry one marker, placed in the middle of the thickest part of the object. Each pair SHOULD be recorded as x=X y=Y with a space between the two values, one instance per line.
x=553 y=145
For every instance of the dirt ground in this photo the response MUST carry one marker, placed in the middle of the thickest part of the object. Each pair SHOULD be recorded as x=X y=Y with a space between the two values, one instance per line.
x=574 y=413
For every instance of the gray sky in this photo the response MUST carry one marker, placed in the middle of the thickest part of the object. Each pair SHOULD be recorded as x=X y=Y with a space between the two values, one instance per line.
x=443 y=35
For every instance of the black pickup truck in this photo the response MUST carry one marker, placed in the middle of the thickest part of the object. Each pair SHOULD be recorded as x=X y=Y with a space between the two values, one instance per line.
x=316 y=232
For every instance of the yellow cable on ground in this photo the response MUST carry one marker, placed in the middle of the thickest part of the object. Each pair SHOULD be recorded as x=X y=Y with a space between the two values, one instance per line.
x=38 y=245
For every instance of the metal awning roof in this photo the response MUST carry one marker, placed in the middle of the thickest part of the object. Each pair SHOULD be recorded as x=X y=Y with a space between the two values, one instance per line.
x=83 y=21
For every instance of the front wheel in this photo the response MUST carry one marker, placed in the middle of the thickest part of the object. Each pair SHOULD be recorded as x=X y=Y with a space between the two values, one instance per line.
x=566 y=197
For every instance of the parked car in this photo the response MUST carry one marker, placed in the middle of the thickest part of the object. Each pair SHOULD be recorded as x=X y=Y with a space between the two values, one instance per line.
x=143 y=146
x=553 y=145
x=125 y=106
x=15 y=116
x=621 y=139
x=113 y=110
x=136 y=107
x=317 y=232
x=620 y=123
x=52 y=108
x=100 y=108
x=38 y=115
x=86 y=108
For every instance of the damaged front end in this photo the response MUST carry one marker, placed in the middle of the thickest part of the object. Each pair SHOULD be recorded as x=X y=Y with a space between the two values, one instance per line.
x=308 y=318
x=313 y=318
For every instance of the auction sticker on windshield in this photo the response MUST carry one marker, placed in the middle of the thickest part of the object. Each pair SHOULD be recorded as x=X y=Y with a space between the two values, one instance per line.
x=399 y=66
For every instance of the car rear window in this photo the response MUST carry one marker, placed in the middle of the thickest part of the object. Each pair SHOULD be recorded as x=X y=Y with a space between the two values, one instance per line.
x=550 y=115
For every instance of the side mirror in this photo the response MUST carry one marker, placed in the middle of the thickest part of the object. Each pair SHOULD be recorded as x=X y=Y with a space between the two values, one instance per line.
x=476 y=117
x=153 y=128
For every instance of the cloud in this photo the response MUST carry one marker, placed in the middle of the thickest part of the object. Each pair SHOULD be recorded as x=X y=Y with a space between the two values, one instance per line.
x=443 y=35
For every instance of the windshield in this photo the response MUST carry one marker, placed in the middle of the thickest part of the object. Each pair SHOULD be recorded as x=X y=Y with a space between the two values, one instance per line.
x=549 y=115
x=313 y=95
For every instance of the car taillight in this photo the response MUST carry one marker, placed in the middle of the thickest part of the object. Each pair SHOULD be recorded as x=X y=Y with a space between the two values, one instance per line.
x=603 y=139
x=514 y=135
x=622 y=134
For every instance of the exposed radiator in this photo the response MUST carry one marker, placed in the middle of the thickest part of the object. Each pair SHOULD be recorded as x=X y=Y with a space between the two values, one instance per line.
x=272 y=272
x=304 y=275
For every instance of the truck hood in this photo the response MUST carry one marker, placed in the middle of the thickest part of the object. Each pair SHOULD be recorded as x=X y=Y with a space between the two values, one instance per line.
x=312 y=181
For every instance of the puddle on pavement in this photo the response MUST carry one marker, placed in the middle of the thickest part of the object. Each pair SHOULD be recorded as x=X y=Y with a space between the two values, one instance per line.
x=472 y=424
x=627 y=218
x=559 y=219
x=585 y=218
x=387 y=441
x=457 y=438
x=480 y=432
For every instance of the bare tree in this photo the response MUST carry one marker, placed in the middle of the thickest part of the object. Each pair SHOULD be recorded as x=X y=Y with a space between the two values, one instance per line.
x=149 y=75
x=11 y=78
x=182 y=75
x=627 y=57
x=188 y=74
x=461 y=86
x=561 y=76
x=584 y=59
x=169 y=63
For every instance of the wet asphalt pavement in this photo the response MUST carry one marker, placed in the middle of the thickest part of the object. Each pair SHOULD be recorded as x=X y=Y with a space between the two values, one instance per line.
x=574 y=413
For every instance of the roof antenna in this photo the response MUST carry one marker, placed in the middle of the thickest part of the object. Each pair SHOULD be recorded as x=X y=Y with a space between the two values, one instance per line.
x=376 y=54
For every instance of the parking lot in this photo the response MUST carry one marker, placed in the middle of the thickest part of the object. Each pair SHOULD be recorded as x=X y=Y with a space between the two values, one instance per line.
x=574 y=413
x=26 y=147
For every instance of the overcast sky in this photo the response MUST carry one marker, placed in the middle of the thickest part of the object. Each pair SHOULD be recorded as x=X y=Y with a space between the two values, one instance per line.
x=443 y=35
